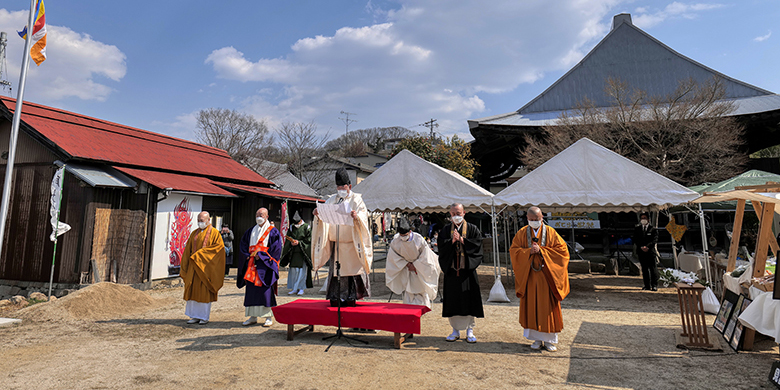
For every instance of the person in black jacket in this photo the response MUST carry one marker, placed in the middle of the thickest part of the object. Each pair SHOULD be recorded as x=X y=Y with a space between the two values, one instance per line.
x=646 y=238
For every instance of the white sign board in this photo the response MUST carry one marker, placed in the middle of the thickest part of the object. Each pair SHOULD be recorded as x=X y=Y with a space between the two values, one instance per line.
x=176 y=218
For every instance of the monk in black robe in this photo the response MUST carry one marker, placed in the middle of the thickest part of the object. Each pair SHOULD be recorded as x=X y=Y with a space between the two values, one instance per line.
x=460 y=253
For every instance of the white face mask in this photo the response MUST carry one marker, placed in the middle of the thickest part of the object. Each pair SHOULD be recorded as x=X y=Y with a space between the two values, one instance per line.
x=202 y=225
x=405 y=237
x=535 y=224
x=457 y=219
x=260 y=221
x=643 y=222
x=343 y=193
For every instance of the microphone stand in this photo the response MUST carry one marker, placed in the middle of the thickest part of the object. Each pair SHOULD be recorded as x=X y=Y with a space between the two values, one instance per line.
x=339 y=333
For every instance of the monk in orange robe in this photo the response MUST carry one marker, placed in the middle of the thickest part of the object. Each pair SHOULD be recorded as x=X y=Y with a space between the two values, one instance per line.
x=202 y=269
x=540 y=259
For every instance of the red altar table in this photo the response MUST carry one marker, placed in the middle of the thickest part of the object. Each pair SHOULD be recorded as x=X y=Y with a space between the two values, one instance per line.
x=392 y=317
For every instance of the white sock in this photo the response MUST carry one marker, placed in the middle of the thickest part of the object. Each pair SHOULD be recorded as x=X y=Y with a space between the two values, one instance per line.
x=469 y=332
x=455 y=332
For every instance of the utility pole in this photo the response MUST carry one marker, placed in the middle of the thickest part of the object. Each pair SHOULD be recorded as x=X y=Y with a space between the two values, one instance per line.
x=431 y=124
x=346 y=120
x=4 y=83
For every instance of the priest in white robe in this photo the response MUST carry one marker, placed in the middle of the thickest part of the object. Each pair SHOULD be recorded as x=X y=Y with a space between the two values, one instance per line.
x=412 y=269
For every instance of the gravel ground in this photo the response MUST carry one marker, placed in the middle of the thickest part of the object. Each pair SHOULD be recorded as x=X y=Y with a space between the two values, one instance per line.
x=616 y=337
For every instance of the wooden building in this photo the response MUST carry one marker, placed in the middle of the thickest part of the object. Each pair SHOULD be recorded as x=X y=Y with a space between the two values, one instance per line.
x=130 y=196
x=632 y=56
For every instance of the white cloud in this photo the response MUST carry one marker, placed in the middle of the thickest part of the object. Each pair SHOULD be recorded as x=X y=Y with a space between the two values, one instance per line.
x=763 y=38
x=644 y=18
x=422 y=60
x=75 y=66
x=184 y=126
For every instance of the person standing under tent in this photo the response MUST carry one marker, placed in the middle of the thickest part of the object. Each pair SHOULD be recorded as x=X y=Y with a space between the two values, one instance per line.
x=258 y=268
x=202 y=263
x=645 y=238
x=460 y=253
x=540 y=260
x=296 y=254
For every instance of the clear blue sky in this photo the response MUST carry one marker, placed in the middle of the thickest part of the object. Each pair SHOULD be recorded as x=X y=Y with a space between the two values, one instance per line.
x=154 y=64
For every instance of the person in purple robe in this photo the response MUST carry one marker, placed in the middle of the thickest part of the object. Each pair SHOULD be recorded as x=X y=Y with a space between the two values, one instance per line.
x=258 y=268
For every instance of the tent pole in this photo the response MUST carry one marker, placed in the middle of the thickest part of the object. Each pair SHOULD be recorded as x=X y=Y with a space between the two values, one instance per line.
x=704 y=245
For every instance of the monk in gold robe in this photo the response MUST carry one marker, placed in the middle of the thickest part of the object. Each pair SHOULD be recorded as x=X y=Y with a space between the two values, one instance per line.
x=540 y=259
x=202 y=269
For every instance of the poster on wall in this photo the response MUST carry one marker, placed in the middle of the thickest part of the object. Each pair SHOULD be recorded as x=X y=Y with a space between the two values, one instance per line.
x=176 y=218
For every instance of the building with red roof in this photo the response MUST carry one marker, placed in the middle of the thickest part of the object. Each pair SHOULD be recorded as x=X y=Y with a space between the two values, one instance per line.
x=130 y=197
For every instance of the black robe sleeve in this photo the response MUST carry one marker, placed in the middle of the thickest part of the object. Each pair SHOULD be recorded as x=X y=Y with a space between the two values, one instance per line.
x=243 y=257
x=473 y=243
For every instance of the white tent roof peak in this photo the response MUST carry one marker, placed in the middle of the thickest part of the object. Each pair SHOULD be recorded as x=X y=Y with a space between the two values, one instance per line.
x=408 y=183
x=589 y=177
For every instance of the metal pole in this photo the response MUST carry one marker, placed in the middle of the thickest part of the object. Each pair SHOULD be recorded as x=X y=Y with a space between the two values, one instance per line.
x=9 y=168
x=704 y=245
x=56 y=230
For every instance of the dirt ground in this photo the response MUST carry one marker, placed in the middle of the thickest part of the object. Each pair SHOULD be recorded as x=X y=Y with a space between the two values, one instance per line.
x=616 y=337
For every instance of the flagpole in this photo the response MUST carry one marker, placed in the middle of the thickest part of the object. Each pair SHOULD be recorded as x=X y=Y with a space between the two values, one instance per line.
x=56 y=229
x=9 y=168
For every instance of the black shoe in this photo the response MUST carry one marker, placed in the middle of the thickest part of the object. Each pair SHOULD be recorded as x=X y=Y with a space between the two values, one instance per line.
x=349 y=304
x=645 y=288
x=654 y=288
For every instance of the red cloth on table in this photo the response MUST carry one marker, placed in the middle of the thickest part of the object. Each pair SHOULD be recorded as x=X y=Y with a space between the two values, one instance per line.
x=391 y=317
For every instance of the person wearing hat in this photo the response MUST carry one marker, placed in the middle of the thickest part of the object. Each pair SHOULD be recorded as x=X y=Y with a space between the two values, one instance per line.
x=645 y=238
x=350 y=245
x=412 y=268
x=296 y=254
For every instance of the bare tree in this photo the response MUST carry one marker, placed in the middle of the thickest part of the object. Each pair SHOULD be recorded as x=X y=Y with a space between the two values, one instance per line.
x=240 y=135
x=358 y=142
x=299 y=145
x=685 y=136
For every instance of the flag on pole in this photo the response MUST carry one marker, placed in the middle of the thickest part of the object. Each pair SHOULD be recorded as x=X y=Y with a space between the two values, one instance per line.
x=57 y=227
x=38 y=49
x=285 y=220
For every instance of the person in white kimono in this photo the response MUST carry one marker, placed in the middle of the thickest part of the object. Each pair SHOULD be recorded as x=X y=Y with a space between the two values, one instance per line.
x=412 y=269
x=349 y=245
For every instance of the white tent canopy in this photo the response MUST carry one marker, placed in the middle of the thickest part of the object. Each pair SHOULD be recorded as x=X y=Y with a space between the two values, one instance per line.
x=409 y=183
x=587 y=177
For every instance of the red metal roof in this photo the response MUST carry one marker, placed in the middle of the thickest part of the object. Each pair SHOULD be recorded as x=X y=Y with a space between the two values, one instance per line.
x=270 y=192
x=95 y=139
x=196 y=184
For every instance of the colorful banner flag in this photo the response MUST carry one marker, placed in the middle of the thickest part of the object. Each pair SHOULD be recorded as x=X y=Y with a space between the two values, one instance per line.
x=58 y=228
x=38 y=49
x=285 y=220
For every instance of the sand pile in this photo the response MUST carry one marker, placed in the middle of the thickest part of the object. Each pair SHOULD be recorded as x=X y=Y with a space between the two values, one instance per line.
x=98 y=301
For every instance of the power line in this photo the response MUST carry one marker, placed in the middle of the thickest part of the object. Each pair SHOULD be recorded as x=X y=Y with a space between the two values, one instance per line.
x=346 y=120
x=431 y=124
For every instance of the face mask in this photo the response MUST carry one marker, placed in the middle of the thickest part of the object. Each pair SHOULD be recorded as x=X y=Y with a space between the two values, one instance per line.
x=404 y=237
x=202 y=225
x=343 y=193
x=535 y=224
x=643 y=222
x=299 y=222
x=457 y=219
x=260 y=221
